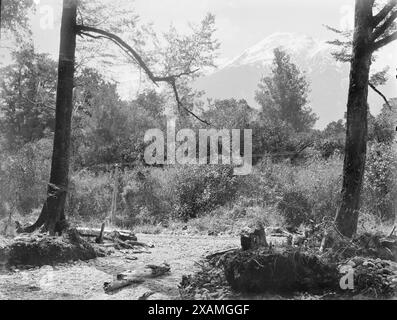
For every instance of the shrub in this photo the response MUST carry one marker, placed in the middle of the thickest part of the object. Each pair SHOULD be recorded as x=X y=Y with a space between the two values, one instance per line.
x=295 y=208
x=144 y=196
x=24 y=177
x=90 y=195
x=200 y=189
x=380 y=187
x=308 y=190
x=329 y=147
x=321 y=182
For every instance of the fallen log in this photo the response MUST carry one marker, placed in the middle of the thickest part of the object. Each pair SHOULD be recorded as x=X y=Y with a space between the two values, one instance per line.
x=124 y=235
x=138 y=252
x=128 y=278
x=149 y=271
x=139 y=244
x=108 y=244
x=131 y=258
x=146 y=295
x=158 y=271
x=130 y=245
x=115 y=285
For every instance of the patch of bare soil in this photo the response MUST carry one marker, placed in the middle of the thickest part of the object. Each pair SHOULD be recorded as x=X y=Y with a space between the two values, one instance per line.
x=84 y=280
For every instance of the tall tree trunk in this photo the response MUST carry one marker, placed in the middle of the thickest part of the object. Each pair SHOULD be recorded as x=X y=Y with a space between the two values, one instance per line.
x=52 y=214
x=357 y=111
x=1 y=9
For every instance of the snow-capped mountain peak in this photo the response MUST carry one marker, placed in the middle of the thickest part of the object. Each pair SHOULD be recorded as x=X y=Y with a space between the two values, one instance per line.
x=301 y=47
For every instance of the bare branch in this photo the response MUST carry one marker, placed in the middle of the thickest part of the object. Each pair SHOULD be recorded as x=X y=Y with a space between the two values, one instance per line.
x=384 y=41
x=381 y=94
x=181 y=105
x=379 y=31
x=384 y=12
x=170 y=79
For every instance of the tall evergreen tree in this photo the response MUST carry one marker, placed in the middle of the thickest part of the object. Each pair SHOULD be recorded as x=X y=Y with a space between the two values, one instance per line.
x=283 y=94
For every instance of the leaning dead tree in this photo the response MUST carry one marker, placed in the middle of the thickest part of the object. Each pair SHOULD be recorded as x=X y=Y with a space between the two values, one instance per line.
x=372 y=32
x=52 y=217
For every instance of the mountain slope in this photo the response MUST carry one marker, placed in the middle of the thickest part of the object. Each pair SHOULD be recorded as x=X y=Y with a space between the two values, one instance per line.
x=328 y=79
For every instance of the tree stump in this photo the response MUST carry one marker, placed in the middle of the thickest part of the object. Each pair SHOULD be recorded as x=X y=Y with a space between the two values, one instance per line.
x=253 y=238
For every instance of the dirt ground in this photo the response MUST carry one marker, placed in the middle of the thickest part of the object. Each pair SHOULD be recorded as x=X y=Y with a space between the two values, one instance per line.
x=84 y=280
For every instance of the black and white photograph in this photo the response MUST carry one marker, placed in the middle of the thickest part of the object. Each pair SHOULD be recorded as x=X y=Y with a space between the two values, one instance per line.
x=198 y=155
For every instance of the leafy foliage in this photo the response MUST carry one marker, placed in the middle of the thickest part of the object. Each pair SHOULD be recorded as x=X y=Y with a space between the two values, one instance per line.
x=28 y=98
x=24 y=175
x=380 y=178
x=14 y=14
x=283 y=96
x=90 y=195
x=332 y=139
x=199 y=190
x=229 y=113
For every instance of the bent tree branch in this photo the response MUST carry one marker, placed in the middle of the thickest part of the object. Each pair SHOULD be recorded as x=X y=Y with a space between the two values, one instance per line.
x=380 y=93
x=169 y=79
